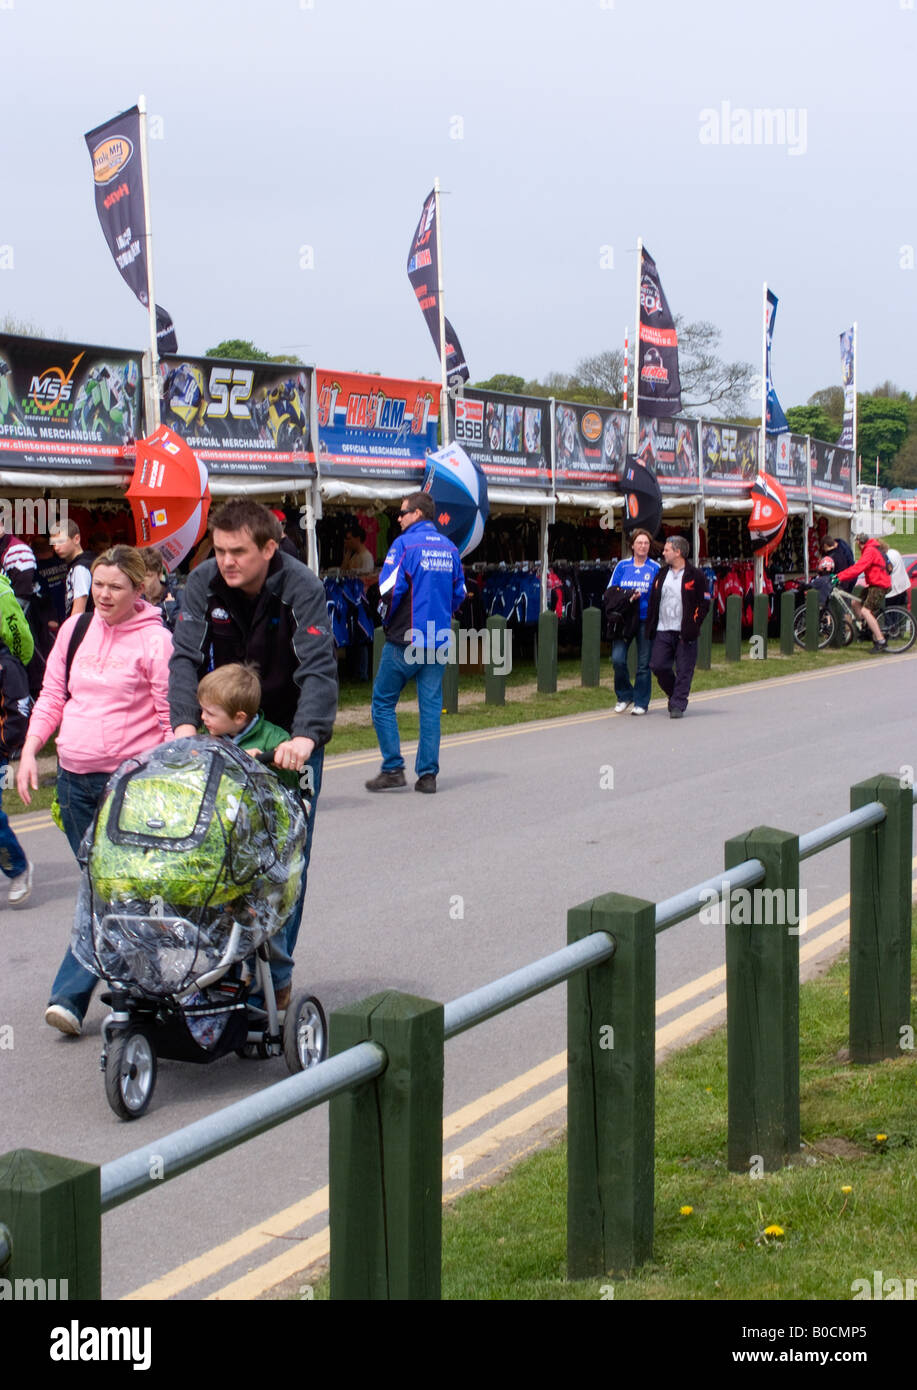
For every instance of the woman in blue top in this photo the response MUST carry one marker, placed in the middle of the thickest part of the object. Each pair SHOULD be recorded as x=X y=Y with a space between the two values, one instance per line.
x=636 y=574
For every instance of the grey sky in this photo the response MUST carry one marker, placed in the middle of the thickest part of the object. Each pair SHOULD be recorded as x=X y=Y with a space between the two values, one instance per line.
x=557 y=130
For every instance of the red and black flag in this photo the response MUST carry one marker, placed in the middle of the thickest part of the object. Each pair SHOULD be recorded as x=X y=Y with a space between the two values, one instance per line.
x=423 y=273
x=769 y=512
x=642 y=497
x=658 y=382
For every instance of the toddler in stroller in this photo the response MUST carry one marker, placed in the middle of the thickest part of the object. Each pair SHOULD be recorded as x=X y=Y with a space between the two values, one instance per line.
x=194 y=862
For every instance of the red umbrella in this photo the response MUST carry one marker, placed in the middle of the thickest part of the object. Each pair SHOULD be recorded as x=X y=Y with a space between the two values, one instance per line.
x=769 y=512
x=169 y=496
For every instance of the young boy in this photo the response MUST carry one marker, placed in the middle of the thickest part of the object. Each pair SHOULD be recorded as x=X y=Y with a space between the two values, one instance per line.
x=230 y=701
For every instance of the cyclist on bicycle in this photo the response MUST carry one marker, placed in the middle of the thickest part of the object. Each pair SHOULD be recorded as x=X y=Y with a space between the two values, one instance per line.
x=874 y=570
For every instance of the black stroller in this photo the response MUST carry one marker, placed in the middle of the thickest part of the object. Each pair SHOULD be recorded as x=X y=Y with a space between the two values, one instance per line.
x=194 y=861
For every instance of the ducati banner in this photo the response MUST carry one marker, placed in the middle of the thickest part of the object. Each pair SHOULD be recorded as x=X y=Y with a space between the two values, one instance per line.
x=423 y=273
x=669 y=448
x=376 y=427
x=508 y=436
x=832 y=472
x=67 y=406
x=848 y=374
x=775 y=421
x=729 y=458
x=785 y=460
x=240 y=418
x=658 y=382
x=590 y=445
x=115 y=152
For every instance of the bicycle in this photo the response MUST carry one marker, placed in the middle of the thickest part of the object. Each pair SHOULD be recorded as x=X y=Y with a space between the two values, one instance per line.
x=896 y=625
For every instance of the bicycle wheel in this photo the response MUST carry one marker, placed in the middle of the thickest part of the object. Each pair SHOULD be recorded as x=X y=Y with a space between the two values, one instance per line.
x=898 y=628
x=825 y=626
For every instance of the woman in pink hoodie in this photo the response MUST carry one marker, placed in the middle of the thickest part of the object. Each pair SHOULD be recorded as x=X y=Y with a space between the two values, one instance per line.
x=114 y=705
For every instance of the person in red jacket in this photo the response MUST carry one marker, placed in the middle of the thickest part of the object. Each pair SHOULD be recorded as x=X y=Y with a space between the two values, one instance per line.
x=872 y=566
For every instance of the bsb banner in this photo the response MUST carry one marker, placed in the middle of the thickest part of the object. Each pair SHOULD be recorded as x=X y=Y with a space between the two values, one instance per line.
x=423 y=273
x=786 y=461
x=669 y=448
x=658 y=382
x=66 y=406
x=115 y=151
x=509 y=436
x=832 y=472
x=376 y=427
x=776 y=421
x=848 y=376
x=240 y=418
x=729 y=458
x=590 y=445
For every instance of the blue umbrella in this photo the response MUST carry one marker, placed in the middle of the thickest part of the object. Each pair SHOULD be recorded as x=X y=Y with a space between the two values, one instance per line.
x=459 y=490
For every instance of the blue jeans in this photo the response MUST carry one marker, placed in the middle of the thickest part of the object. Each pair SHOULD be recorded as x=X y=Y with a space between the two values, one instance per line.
x=642 y=688
x=79 y=793
x=393 y=675
x=282 y=945
x=12 y=856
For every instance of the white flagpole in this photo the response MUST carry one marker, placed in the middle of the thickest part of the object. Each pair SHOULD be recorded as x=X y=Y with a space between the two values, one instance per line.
x=764 y=384
x=444 y=407
x=634 y=429
x=148 y=232
x=856 y=348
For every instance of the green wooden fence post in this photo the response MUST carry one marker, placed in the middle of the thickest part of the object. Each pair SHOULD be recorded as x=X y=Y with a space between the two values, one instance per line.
x=52 y=1207
x=592 y=647
x=705 y=642
x=386 y=1154
x=733 y=628
x=787 y=614
x=880 y=922
x=760 y=619
x=762 y=1002
x=451 y=676
x=378 y=644
x=812 y=621
x=611 y=1021
x=547 y=653
x=494 y=683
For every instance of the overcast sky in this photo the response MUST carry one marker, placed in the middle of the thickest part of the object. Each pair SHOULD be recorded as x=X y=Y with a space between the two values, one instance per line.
x=298 y=132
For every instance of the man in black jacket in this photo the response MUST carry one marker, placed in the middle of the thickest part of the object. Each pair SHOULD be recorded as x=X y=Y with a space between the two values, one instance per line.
x=677 y=608
x=254 y=603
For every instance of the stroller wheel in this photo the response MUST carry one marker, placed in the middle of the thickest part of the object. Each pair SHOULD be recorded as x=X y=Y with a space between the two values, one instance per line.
x=305 y=1033
x=130 y=1073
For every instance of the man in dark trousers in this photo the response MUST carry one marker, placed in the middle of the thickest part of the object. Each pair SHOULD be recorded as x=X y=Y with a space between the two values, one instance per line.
x=254 y=603
x=677 y=608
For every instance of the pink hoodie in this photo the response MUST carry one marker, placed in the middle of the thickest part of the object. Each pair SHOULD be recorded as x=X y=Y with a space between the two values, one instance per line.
x=119 y=692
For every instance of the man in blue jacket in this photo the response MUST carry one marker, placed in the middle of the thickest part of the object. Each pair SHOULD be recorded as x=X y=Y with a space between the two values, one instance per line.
x=421 y=586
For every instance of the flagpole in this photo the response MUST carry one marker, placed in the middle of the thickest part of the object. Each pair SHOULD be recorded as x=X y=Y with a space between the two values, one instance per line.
x=762 y=466
x=148 y=232
x=444 y=408
x=634 y=429
x=856 y=348
x=626 y=332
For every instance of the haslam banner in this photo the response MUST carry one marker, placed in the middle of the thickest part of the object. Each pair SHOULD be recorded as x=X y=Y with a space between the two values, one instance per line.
x=375 y=427
x=848 y=377
x=67 y=406
x=658 y=382
x=115 y=152
x=509 y=436
x=590 y=445
x=240 y=417
x=832 y=472
x=423 y=273
x=669 y=448
x=729 y=458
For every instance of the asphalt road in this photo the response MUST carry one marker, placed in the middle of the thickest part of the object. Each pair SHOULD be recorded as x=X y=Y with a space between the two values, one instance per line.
x=437 y=895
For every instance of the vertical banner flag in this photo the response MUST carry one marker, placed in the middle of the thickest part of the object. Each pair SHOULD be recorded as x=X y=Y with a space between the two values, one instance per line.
x=775 y=420
x=848 y=376
x=423 y=273
x=658 y=383
x=115 y=152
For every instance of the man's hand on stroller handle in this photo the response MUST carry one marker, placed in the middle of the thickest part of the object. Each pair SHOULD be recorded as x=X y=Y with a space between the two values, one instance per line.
x=294 y=753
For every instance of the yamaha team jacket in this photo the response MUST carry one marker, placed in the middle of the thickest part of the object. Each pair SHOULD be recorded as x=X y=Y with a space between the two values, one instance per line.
x=421 y=584
x=284 y=631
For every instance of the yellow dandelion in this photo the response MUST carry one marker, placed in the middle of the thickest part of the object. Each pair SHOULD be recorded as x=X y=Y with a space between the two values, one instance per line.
x=848 y=1188
x=881 y=1138
x=709 y=1090
x=685 y=1211
x=773 y=1230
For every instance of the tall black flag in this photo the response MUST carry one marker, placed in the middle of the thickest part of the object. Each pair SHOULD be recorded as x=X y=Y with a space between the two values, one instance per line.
x=115 y=151
x=423 y=273
x=658 y=382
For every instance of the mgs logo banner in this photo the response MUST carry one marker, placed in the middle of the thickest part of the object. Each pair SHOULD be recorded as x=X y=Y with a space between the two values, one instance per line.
x=658 y=381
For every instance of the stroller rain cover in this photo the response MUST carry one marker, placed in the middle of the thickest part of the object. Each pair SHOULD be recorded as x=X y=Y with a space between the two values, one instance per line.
x=191 y=841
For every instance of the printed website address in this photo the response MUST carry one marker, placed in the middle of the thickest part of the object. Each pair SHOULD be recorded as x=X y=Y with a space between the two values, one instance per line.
x=818 y=1358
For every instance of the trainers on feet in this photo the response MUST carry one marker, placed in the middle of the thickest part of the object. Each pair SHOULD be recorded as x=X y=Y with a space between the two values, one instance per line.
x=282 y=997
x=676 y=714
x=64 y=1020
x=638 y=709
x=386 y=780
x=20 y=886
x=426 y=783
x=876 y=646
x=622 y=705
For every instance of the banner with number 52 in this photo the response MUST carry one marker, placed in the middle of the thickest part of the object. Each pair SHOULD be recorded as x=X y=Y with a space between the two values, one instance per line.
x=241 y=417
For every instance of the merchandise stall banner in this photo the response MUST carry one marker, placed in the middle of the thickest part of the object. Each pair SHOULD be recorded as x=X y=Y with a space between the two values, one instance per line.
x=508 y=436
x=115 y=152
x=67 y=406
x=374 y=426
x=423 y=273
x=775 y=420
x=846 y=440
x=658 y=382
x=833 y=474
x=240 y=417
x=669 y=448
x=785 y=460
x=590 y=445
x=729 y=458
